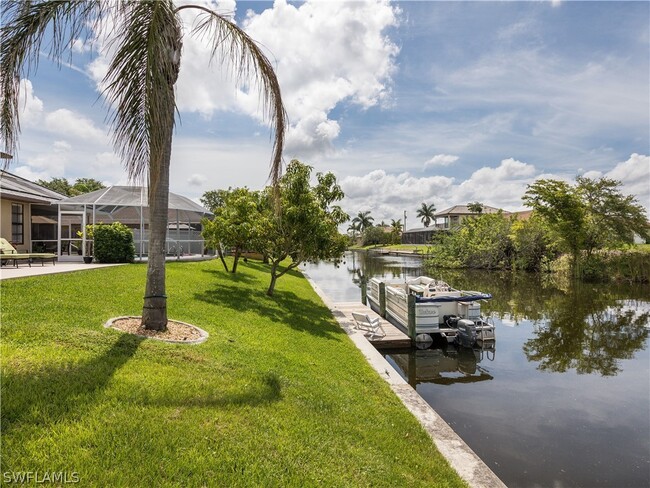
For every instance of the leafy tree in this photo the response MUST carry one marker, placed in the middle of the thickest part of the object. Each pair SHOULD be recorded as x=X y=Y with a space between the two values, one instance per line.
x=81 y=186
x=480 y=242
x=426 y=213
x=213 y=199
x=363 y=220
x=590 y=215
x=86 y=185
x=234 y=222
x=533 y=244
x=147 y=37
x=59 y=185
x=375 y=235
x=305 y=225
x=475 y=207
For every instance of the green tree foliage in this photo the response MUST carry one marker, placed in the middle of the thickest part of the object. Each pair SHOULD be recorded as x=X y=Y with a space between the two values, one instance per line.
x=80 y=186
x=234 y=222
x=592 y=214
x=113 y=243
x=305 y=225
x=475 y=207
x=376 y=235
x=363 y=221
x=533 y=245
x=482 y=242
x=426 y=213
x=214 y=199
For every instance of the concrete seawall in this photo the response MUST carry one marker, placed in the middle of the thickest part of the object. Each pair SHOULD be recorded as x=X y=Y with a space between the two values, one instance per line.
x=460 y=456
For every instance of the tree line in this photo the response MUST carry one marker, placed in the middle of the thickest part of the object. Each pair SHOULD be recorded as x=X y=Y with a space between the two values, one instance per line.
x=571 y=225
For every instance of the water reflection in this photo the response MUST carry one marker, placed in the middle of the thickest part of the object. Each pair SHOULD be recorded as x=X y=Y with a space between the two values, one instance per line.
x=443 y=365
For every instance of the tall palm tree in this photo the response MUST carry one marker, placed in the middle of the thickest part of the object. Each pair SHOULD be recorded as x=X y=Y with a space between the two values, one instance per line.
x=363 y=220
x=427 y=213
x=147 y=38
x=396 y=226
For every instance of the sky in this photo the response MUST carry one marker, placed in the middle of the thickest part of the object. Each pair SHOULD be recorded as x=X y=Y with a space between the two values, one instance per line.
x=405 y=102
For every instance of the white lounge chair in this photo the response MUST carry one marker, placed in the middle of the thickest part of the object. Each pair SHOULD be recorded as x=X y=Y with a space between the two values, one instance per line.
x=372 y=326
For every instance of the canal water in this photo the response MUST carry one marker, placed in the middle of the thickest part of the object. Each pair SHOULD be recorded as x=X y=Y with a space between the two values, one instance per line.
x=563 y=401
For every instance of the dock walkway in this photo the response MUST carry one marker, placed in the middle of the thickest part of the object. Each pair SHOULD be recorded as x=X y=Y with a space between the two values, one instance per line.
x=394 y=338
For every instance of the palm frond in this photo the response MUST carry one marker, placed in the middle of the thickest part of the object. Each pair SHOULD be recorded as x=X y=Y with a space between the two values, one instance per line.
x=246 y=60
x=25 y=25
x=140 y=83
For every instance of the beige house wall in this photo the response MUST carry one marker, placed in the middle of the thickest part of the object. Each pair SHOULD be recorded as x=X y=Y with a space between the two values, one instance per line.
x=5 y=223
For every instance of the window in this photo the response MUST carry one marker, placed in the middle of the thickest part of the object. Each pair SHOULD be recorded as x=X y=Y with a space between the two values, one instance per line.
x=17 y=228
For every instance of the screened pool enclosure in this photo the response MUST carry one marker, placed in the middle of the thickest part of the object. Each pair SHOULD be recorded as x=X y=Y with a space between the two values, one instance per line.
x=128 y=205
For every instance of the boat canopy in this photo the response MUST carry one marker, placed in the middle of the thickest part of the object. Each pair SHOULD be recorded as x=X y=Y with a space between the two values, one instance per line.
x=465 y=298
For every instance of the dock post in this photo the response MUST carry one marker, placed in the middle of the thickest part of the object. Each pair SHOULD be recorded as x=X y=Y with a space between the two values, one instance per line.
x=382 y=299
x=411 y=316
x=364 y=291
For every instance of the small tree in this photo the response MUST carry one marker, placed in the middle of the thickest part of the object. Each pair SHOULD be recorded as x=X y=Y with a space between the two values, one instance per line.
x=305 y=226
x=475 y=207
x=234 y=222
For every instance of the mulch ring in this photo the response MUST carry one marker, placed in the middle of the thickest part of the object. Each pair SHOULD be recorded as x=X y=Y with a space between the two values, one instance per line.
x=177 y=332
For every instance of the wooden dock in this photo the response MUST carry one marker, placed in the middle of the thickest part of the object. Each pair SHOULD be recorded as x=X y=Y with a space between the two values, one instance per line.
x=394 y=338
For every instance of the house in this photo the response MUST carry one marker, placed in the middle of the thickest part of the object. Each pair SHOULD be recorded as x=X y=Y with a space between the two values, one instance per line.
x=28 y=218
x=453 y=216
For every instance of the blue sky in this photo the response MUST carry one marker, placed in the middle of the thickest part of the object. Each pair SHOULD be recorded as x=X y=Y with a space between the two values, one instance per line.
x=441 y=102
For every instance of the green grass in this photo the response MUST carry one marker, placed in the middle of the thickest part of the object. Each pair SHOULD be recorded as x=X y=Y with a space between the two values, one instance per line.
x=277 y=396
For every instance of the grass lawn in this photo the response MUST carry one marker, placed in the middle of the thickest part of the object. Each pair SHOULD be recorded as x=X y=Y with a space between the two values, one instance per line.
x=277 y=396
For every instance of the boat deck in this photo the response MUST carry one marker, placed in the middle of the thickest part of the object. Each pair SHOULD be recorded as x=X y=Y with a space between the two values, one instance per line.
x=394 y=338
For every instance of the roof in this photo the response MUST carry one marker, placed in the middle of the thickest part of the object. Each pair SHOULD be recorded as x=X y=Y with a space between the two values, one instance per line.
x=17 y=188
x=463 y=210
x=131 y=196
x=431 y=228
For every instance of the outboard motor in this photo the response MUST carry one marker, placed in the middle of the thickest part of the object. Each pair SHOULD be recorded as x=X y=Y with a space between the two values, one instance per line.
x=466 y=332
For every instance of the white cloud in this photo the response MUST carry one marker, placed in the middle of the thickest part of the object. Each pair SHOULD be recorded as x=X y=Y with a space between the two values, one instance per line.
x=196 y=179
x=441 y=160
x=30 y=106
x=70 y=124
x=635 y=176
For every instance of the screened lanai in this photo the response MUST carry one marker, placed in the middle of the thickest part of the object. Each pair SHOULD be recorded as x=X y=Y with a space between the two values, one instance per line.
x=128 y=205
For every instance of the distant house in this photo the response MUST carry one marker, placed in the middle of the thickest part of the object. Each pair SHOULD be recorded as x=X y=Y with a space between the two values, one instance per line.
x=453 y=216
x=27 y=217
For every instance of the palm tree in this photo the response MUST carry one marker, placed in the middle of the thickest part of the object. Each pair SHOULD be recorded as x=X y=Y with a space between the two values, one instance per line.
x=147 y=38
x=427 y=213
x=353 y=229
x=363 y=220
x=396 y=230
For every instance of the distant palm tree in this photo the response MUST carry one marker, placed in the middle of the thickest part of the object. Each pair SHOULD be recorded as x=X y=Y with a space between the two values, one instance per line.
x=396 y=226
x=427 y=213
x=363 y=220
x=353 y=229
x=147 y=37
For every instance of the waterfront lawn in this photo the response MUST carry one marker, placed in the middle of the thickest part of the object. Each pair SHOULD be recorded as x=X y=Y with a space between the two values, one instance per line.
x=277 y=396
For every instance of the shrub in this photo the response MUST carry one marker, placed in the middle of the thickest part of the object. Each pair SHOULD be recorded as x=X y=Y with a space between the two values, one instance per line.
x=113 y=243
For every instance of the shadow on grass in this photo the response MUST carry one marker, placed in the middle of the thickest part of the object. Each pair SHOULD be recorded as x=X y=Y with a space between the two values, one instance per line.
x=265 y=268
x=267 y=390
x=237 y=277
x=50 y=394
x=284 y=307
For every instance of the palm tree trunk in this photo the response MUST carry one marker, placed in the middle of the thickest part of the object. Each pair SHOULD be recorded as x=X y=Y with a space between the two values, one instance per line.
x=154 y=312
